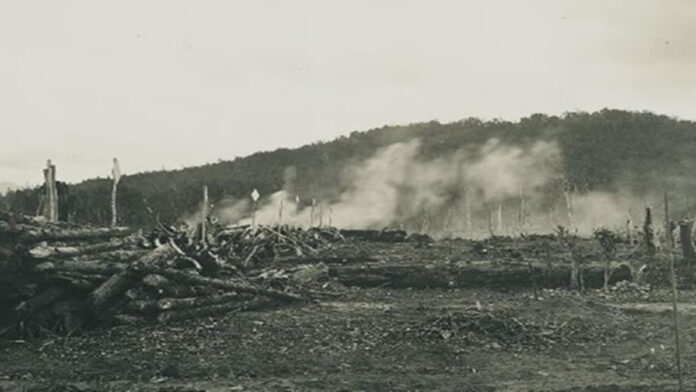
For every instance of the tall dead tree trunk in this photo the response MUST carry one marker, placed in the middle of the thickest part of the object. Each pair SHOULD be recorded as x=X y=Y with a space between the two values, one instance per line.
x=116 y=174
x=649 y=232
x=669 y=237
x=51 y=193
x=204 y=216
x=686 y=228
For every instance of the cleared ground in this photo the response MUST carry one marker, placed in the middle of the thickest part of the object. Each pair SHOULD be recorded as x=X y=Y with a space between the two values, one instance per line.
x=386 y=339
x=376 y=339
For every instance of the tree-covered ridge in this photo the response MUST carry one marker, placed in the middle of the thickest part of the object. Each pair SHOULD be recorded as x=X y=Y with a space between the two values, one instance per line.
x=609 y=150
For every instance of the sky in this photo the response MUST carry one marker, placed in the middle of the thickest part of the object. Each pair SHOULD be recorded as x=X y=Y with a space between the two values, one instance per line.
x=171 y=83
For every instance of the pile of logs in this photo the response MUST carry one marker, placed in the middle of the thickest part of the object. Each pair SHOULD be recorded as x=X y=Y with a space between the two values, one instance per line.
x=247 y=246
x=385 y=235
x=44 y=264
x=59 y=278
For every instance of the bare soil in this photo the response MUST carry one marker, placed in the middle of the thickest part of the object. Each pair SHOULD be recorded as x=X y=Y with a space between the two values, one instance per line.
x=379 y=339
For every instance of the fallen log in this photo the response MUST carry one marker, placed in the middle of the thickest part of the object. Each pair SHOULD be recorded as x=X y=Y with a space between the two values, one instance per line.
x=192 y=302
x=118 y=283
x=214 y=310
x=40 y=300
x=464 y=275
x=79 y=281
x=375 y=235
x=86 y=267
x=241 y=287
x=177 y=291
x=109 y=290
x=45 y=251
x=34 y=234
x=117 y=256
x=167 y=288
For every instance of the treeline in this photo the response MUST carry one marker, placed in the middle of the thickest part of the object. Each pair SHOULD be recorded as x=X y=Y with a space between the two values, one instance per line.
x=642 y=153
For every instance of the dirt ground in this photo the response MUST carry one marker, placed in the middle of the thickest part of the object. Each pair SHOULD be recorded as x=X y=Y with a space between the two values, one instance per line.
x=373 y=339
x=379 y=339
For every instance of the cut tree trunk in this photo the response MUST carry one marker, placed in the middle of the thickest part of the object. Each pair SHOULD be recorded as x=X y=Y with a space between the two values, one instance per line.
x=34 y=234
x=124 y=256
x=86 y=267
x=192 y=302
x=686 y=228
x=58 y=252
x=242 y=287
x=100 y=298
x=104 y=295
x=41 y=300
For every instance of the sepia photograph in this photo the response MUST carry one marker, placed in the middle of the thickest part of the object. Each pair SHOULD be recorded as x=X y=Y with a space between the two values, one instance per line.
x=347 y=195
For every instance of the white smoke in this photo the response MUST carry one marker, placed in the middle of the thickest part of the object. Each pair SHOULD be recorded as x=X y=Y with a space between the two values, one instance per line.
x=518 y=187
x=396 y=185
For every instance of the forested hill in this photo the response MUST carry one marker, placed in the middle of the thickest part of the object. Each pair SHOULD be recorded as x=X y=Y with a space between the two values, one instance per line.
x=609 y=150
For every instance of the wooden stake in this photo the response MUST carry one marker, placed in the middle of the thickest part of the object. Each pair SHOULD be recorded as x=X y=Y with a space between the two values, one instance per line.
x=670 y=252
x=675 y=320
x=280 y=212
x=500 y=218
x=253 y=217
x=649 y=232
x=116 y=175
x=51 y=195
x=254 y=197
x=204 y=215
x=669 y=237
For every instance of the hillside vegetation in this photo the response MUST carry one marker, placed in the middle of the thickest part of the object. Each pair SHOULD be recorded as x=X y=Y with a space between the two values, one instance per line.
x=612 y=151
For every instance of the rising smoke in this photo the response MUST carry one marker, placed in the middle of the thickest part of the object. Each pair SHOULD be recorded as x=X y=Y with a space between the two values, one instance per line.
x=499 y=189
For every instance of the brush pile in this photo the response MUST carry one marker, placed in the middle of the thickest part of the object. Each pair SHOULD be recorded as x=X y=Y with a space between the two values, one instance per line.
x=247 y=247
x=57 y=278
x=497 y=329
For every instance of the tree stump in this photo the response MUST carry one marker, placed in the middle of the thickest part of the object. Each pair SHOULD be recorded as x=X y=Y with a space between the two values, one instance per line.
x=685 y=237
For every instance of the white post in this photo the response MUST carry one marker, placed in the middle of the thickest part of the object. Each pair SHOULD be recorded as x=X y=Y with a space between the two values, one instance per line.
x=51 y=205
x=254 y=197
x=204 y=214
x=116 y=175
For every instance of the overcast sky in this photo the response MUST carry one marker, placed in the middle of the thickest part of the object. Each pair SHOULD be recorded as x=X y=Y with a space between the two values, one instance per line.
x=167 y=84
